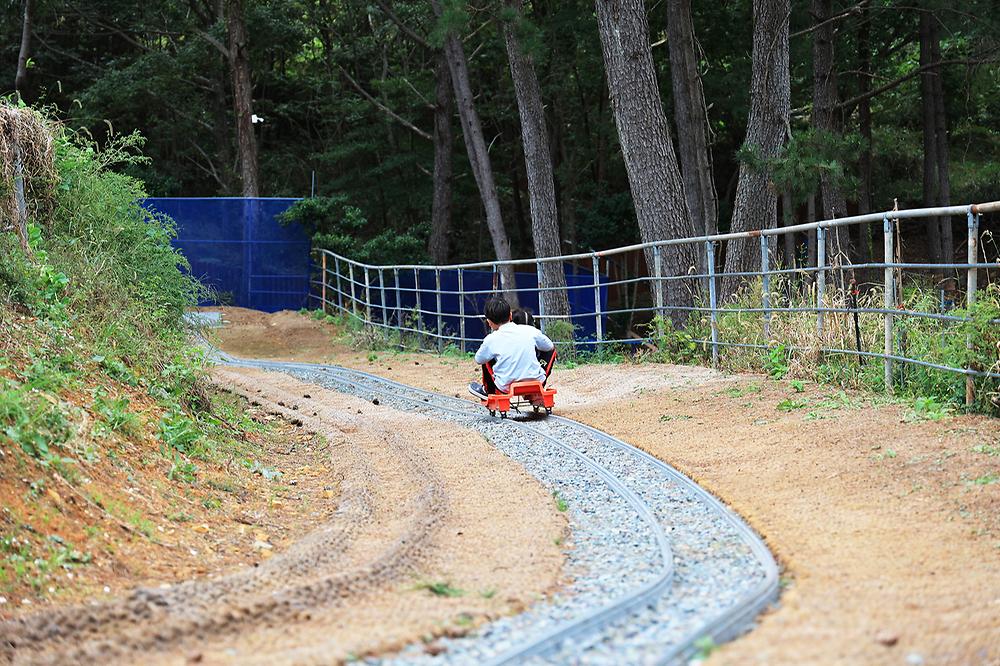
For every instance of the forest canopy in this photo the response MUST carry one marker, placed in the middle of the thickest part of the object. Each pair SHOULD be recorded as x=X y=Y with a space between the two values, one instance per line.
x=359 y=99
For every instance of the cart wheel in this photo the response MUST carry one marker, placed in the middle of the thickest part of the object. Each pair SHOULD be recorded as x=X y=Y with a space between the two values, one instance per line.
x=503 y=415
x=493 y=412
x=537 y=409
x=548 y=410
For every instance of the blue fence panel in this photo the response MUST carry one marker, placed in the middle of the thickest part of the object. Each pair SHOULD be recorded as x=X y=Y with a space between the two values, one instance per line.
x=402 y=302
x=237 y=247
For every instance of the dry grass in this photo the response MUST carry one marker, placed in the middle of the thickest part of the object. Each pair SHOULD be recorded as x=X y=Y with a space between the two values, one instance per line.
x=26 y=154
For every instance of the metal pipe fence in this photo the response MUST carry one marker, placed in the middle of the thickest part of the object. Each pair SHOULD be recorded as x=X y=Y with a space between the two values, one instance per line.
x=611 y=305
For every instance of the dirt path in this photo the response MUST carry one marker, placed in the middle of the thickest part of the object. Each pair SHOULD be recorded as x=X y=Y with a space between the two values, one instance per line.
x=887 y=525
x=434 y=531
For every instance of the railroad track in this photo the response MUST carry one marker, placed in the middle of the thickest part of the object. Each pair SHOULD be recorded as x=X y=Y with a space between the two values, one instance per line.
x=698 y=574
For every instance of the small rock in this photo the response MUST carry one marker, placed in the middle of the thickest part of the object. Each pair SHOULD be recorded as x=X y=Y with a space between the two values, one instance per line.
x=359 y=411
x=434 y=649
x=54 y=496
x=416 y=363
x=375 y=401
x=202 y=529
x=915 y=659
x=306 y=395
x=277 y=503
x=328 y=494
x=887 y=638
x=196 y=658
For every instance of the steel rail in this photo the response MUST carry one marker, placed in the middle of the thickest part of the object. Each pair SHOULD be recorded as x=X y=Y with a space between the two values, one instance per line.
x=728 y=625
x=608 y=613
x=731 y=622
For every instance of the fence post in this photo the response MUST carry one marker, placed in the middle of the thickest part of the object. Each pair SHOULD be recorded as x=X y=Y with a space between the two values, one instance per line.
x=340 y=289
x=765 y=286
x=354 y=300
x=598 y=329
x=712 y=302
x=820 y=280
x=889 y=300
x=972 y=280
x=420 y=313
x=658 y=290
x=541 y=297
x=461 y=310
x=323 y=281
x=381 y=289
x=440 y=316
x=368 y=299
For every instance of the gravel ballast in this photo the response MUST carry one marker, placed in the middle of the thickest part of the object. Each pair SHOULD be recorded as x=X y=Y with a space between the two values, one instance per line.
x=639 y=530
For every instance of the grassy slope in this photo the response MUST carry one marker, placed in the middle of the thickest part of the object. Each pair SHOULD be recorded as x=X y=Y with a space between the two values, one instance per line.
x=109 y=442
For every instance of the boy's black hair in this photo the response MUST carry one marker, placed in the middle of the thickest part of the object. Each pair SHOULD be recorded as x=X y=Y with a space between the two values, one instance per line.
x=522 y=316
x=497 y=311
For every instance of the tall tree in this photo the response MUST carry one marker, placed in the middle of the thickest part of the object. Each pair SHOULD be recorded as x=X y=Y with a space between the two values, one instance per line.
x=22 y=57
x=691 y=116
x=825 y=121
x=929 y=115
x=437 y=243
x=475 y=145
x=538 y=165
x=756 y=204
x=653 y=174
x=239 y=66
x=941 y=135
x=864 y=68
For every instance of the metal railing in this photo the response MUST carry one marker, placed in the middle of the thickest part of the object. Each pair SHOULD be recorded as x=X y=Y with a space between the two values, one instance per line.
x=435 y=303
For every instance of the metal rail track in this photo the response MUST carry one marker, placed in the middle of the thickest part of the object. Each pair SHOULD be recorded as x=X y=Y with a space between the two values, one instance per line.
x=725 y=626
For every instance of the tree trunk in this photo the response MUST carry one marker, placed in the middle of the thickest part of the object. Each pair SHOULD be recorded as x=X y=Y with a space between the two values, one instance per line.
x=824 y=102
x=691 y=116
x=538 y=167
x=788 y=220
x=756 y=202
x=930 y=180
x=22 y=57
x=941 y=131
x=865 y=128
x=239 y=66
x=479 y=157
x=437 y=246
x=653 y=174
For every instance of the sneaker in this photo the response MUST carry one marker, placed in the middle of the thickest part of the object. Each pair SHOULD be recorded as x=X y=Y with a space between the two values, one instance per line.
x=477 y=390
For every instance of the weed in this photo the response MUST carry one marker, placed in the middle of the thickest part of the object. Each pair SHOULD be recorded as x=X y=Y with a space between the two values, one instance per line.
x=798 y=385
x=440 y=589
x=674 y=417
x=987 y=479
x=705 y=647
x=928 y=409
x=560 y=502
x=488 y=593
x=740 y=391
x=211 y=503
x=988 y=449
x=791 y=404
x=114 y=413
x=776 y=362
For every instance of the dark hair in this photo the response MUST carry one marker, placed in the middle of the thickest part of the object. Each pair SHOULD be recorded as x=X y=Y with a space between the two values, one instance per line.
x=497 y=311
x=522 y=316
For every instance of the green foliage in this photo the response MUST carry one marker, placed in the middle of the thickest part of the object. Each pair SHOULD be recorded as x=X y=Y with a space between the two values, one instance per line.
x=178 y=432
x=560 y=502
x=440 y=589
x=114 y=413
x=776 y=362
x=32 y=422
x=340 y=227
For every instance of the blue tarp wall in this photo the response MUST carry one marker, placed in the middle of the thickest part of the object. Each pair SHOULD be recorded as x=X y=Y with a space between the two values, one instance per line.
x=237 y=247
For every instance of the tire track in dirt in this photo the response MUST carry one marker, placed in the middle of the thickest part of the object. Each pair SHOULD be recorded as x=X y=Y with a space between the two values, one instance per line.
x=385 y=531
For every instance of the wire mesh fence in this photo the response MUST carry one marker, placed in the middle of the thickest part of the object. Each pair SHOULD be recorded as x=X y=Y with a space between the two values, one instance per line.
x=812 y=301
